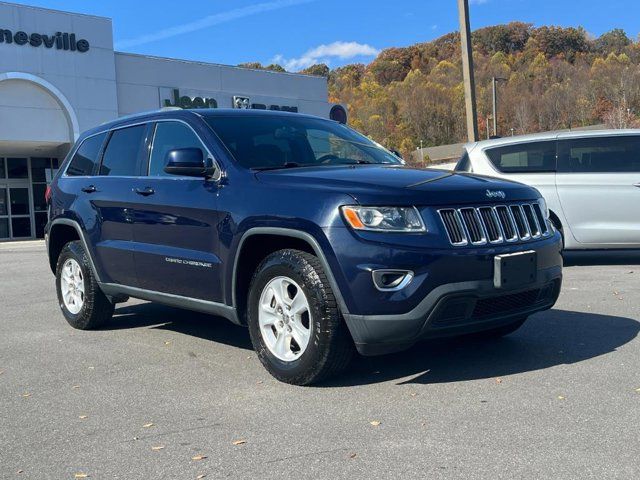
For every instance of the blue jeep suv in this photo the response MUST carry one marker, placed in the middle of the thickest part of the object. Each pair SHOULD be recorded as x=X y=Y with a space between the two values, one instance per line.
x=318 y=239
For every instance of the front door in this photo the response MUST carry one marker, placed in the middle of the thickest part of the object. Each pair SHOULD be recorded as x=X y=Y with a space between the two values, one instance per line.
x=15 y=199
x=174 y=223
x=598 y=183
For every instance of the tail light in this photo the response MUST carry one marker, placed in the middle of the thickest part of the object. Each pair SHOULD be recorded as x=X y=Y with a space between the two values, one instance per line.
x=47 y=195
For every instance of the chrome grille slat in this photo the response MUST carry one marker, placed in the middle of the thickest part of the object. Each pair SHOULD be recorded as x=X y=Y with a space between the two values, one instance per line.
x=494 y=224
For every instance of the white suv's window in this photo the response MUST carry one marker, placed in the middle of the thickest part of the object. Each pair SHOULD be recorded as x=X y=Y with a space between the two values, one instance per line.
x=525 y=157
x=617 y=154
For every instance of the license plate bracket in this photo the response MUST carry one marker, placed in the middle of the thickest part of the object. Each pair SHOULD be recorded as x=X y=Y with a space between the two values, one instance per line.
x=515 y=270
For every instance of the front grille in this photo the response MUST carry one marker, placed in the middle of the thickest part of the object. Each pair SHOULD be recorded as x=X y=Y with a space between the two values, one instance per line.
x=494 y=224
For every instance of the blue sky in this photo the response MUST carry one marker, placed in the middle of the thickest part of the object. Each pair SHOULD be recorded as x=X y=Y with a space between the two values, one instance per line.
x=297 y=33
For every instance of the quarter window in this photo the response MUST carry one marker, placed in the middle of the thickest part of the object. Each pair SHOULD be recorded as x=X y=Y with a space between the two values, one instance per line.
x=525 y=157
x=616 y=154
x=86 y=157
x=170 y=136
x=123 y=152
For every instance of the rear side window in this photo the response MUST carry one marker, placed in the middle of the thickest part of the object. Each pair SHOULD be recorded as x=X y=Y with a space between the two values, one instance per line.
x=86 y=157
x=524 y=157
x=464 y=164
x=171 y=136
x=617 y=154
x=124 y=151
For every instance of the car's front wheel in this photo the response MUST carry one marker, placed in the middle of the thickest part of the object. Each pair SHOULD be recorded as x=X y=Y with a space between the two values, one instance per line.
x=82 y=302
x=294 y=322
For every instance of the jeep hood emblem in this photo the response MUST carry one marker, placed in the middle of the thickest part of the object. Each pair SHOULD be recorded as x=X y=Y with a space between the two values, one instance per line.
x=496 y=194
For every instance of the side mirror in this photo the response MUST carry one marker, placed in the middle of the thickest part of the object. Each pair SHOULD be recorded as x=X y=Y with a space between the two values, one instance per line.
x=188 y=162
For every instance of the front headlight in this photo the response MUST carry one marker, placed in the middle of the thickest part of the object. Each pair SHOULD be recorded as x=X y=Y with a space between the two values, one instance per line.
x=384 y=219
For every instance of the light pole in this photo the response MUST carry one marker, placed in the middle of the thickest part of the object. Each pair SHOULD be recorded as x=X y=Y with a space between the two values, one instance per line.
x=494 y=81
x=467 y=71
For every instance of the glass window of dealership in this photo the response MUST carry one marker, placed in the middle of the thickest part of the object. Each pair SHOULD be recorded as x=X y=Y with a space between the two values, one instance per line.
x=23 y=181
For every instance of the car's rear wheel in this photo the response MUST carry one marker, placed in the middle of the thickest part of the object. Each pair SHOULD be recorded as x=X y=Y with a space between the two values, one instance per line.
x=294 y=322
x=82 y=302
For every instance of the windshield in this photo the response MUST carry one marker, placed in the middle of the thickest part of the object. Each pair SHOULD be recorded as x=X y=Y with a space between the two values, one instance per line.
x=279 y=141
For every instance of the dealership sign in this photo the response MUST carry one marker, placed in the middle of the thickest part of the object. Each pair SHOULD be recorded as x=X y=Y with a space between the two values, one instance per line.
x=58 y=40
x=175 y=98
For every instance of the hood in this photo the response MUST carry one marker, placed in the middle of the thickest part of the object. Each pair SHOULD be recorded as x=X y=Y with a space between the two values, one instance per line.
x=400 y=185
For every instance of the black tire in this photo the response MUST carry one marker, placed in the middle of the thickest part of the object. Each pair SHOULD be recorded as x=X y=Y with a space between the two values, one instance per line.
x=499 y=332
x=330 y=347
x=96 y=309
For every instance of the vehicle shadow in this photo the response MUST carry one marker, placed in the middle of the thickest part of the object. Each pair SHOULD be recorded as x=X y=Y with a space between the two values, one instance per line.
x=576 y=258
x=201 y=325
x=551 y=338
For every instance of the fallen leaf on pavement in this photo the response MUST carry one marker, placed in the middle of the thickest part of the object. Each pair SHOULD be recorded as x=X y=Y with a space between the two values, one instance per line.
x=239 y=442
x=82 y=417
x=199 y=457
x=375 y=423
x=158 y=447
x=353 y=455
x=201 y=476
x=25 y=395
x=560 y=397
x=637 y=389
x=413 y=394
x=167 y=343
x=147 y=425
x=80 y=475
x=20 y=471
x=75 y=386
x=498 y=380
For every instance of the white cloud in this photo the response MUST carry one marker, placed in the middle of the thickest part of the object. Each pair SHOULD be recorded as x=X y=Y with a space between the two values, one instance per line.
x=324 y=54
x=209 y=21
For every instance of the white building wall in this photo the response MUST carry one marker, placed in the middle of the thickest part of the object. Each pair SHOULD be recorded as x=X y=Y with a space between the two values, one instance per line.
x=142 y=81
x=87 y=80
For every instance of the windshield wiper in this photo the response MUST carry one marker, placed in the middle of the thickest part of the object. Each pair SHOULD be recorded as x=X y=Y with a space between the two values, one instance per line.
x=357 y=162
x=278 y=167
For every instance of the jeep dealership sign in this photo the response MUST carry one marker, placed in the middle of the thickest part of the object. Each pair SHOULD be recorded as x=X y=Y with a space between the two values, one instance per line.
x=57 y=40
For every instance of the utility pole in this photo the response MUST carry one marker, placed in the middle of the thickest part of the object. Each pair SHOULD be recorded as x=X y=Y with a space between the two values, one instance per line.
x=494 y=81
x=467 y=71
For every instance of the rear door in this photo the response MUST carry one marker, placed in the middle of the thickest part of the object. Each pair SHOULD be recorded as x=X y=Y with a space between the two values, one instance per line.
x=174 y=222
x=599 y=188
x=111 y=197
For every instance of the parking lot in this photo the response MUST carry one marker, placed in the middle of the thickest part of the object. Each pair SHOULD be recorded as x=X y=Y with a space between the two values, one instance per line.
x=165 y=393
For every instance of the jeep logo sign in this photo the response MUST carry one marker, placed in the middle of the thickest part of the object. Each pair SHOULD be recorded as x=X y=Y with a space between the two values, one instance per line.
x=184 y=101
x=61 y=41
x=496 y=194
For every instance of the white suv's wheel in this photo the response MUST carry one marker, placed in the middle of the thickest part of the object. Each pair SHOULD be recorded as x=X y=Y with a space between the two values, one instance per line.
x=294 y=321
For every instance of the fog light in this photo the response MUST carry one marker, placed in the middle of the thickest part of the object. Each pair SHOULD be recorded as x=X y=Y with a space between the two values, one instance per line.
x=391 y=280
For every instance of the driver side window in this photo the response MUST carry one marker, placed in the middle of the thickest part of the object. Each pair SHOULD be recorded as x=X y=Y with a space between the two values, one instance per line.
x=170 y=136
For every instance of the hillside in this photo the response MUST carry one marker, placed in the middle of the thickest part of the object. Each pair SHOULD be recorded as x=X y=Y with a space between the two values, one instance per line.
x=555 y=78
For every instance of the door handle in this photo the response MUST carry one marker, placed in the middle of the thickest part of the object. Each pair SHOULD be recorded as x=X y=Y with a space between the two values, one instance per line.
x=145 y=192
x=89 y=189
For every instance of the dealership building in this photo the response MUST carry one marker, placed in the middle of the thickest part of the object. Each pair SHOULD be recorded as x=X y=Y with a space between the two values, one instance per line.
x=60 y=75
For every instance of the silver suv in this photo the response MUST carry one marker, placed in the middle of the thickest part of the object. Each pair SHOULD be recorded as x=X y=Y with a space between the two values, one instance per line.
x=590 y=180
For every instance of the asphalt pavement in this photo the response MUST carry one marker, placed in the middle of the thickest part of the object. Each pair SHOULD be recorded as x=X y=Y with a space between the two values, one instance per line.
x=163 y=393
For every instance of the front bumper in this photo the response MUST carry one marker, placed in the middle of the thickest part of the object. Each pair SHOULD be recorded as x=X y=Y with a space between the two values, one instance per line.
x=452 y=293
x=454 y=309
